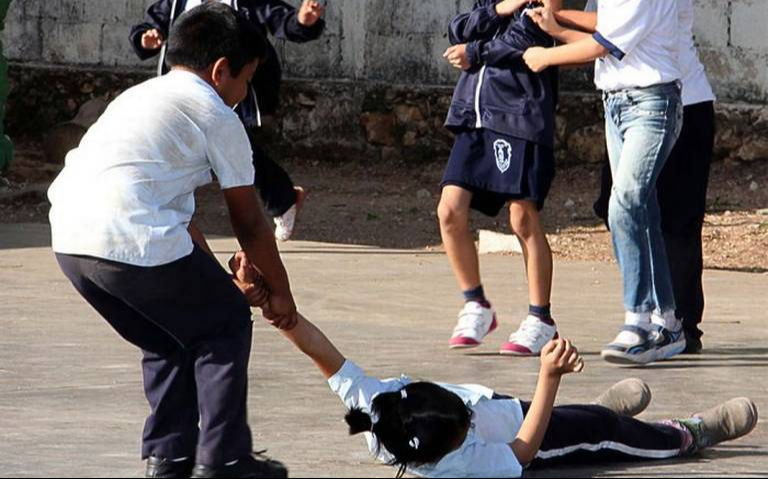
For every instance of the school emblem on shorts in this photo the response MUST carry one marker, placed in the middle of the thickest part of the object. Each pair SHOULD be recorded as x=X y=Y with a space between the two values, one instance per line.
x=503 y=155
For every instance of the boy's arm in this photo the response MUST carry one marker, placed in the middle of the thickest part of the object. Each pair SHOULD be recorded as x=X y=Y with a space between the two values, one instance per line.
x=283 y=22
x=548 y=21
x=258 y=241
x=576 y=19
x=312 y=342
x=580 y=52
x=158 y=17
x=199 y=238
x=558 y=359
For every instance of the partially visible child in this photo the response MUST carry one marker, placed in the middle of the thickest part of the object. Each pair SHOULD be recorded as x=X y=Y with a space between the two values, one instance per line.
x=636 y=45
x=281 y=198
x=123 y=233
x=683 y=183
x=445 y=430
x=503 y=115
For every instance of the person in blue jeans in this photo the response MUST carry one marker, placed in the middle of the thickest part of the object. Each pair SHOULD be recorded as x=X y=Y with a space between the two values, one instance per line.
x=635 y=43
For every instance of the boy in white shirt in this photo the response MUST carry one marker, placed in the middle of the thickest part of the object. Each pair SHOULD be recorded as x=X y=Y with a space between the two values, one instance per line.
x=121 y=220
x=636 y=45
x=683 y=183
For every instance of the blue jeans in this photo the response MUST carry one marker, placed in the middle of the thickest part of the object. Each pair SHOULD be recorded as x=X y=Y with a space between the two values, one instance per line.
x=642 y=127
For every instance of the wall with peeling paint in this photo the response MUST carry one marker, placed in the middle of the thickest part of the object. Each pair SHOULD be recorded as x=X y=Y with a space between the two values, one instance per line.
x=393 y=41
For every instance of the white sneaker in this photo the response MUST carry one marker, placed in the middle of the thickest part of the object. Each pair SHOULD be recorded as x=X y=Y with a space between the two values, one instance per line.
x=530 y=339
x=475 y=323
x=285 y=224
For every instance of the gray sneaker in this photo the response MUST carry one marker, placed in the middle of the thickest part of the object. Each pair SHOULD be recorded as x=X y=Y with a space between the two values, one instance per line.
x=727 y=422
x=628 y=398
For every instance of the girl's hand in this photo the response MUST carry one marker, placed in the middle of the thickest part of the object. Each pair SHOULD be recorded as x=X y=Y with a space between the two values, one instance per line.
x=311 y=12
x=457 y=56
x=249 y=280
x=559 y=358
x=545 y=19
x=537 y=59
x=506 y=8
x=152 y=39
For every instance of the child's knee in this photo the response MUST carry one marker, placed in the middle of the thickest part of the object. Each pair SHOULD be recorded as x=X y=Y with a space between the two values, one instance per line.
x=452 y=215
x=524 y=219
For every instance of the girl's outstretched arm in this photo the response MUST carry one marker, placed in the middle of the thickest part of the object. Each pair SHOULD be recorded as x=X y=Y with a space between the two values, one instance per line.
x=558 y=358
x=312 y=342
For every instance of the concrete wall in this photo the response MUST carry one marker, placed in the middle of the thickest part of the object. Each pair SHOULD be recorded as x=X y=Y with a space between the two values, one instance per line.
x=393 y=41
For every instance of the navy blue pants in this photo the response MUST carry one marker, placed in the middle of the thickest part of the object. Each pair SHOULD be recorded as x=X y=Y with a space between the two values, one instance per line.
x=194 y=328
x=591 y=435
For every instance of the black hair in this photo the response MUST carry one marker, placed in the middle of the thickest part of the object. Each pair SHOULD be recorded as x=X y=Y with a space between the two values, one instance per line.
x=212 y=31
x=419 y=425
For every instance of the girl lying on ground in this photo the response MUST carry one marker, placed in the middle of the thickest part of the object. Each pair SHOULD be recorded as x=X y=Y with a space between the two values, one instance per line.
x=445 y=430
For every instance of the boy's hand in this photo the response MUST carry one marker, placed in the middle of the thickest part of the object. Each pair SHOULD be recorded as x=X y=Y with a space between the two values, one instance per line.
x=545 y=19
x=559 y=358
x=506 y=8
x=536 y=58
x=249 y=280
x=311 y=12
x=457 y=56
x=152 y=39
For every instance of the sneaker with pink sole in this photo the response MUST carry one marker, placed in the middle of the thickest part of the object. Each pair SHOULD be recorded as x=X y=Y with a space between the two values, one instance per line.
x=530 y=339
x=475 y=323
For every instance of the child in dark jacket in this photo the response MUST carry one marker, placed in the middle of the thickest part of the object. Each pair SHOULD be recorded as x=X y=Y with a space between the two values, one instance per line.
x=504 y=117
x=281 y=198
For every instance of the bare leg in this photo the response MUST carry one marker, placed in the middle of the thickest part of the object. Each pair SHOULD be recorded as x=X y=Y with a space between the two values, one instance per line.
x=457 y=237
x=526 y=224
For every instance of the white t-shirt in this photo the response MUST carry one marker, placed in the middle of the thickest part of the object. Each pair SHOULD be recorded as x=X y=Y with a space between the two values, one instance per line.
x=126 y=193
x=642 y=37
x=696 y=86
x=485 y=453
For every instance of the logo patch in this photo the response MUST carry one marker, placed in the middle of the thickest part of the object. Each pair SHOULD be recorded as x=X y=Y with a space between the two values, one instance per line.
x=503 y=155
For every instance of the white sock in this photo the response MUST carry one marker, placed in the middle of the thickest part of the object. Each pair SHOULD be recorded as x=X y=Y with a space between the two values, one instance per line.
x=638 y=319
x=667 y=320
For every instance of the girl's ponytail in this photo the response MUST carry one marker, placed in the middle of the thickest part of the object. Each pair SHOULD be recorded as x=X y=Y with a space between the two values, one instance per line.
x=359 y=421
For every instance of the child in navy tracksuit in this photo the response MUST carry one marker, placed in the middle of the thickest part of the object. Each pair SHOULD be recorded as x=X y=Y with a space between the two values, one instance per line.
x=504 y=117
x=281 y=199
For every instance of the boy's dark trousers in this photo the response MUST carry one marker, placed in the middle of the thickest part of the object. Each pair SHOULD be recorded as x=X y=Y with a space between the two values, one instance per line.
x=194 y=327
x=274 y=184
x=682 y=190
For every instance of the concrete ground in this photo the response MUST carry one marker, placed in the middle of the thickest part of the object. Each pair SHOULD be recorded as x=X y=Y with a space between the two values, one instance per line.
x=71 y=403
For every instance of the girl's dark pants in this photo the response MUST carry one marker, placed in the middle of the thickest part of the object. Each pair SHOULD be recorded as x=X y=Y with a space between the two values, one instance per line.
x=590 y=435
x=194 y=329
x=682 y=191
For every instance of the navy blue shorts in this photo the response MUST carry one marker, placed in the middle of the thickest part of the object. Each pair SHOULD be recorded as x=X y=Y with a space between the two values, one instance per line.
x=498 y=169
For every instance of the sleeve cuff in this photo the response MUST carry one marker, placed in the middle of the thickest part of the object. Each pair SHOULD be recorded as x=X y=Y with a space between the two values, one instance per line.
x=473 y=54
x=349 y=372
x=617 y=52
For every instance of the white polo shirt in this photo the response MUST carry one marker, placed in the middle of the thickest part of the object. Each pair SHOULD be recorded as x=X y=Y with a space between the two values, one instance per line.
x=126 y=193
x=696 y=86
x=642 y=37
x=487 y=450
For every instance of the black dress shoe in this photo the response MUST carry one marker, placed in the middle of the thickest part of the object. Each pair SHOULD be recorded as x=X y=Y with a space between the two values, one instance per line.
x=693 y=345
x=164 y=468
x=246 y=467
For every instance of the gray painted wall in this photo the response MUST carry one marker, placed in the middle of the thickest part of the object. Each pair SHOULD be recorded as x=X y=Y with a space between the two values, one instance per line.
x=394 y=41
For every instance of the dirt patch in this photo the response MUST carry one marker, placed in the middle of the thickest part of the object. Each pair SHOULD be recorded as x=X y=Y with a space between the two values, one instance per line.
x=393 y=206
